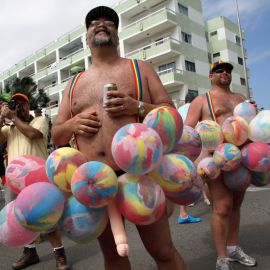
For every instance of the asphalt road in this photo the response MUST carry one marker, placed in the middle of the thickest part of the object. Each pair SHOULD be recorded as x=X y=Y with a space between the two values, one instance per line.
x=193 y=241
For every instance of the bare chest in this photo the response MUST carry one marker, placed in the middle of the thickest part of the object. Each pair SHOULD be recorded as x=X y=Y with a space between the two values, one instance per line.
x=88 y=92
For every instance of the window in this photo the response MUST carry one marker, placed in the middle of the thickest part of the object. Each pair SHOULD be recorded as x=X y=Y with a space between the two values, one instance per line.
x=214 y=33
x=216 y=54
x=182 y=9
x=237 y=40
x=168 y=66
x=240 y=61
x=206 y=36
x=186 y=37
x=190 y=66
x=243 y=81
x=209 y=58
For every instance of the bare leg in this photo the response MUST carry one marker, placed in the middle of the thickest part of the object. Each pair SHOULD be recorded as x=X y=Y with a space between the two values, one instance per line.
x=183 y=212
x=157 y=240
x=222 y=200
x=235 y=219
x=112 y=261
x=55 y=238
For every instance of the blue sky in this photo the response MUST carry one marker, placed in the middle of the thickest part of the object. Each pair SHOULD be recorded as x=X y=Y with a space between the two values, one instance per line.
x=254 y=17
x=36 y=23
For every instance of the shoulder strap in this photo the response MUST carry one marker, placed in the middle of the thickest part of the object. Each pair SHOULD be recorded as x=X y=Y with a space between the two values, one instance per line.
x=70 y=94
x=71 y=90
x=211 y=107
x=137 y=78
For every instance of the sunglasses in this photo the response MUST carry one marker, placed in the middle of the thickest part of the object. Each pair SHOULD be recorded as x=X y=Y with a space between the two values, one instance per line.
x=220 y=70
x=98 y=22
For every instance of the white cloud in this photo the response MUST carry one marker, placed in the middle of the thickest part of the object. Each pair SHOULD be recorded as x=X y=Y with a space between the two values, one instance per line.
x=26 y=26
x=259 y=56
x=247 y=9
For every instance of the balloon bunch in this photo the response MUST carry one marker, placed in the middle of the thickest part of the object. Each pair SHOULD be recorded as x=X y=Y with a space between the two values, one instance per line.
x=240 y=148
x=38 y=206
x=153 y=156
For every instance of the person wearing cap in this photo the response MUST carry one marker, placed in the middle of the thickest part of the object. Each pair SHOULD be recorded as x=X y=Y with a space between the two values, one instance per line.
x=225 y=203
x=27 y=135
x=83 y=114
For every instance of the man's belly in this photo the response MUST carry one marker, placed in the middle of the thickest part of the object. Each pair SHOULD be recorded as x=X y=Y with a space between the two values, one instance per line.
x=98 y=147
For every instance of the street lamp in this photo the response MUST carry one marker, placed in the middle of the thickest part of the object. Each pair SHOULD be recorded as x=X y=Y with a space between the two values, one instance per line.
x=242 y=50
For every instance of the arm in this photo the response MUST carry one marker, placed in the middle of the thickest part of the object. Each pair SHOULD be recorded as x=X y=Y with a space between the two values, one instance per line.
x=194 y=114
x=28 y=131
x=85 y=123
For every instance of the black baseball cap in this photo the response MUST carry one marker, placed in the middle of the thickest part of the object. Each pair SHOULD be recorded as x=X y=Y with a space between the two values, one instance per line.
x=220 y=64
x=101 y=11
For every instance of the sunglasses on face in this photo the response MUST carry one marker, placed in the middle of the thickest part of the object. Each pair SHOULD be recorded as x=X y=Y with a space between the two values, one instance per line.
x=220 y=70
x=98 y=22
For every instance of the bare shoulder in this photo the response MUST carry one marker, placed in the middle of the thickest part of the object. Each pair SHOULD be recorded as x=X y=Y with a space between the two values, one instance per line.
x=239 y=97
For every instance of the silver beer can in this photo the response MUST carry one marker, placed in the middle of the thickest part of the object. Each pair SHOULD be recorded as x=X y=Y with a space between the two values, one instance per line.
x=108 y=87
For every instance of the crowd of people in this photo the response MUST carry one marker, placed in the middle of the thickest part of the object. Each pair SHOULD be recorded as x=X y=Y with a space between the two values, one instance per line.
x=83 y=117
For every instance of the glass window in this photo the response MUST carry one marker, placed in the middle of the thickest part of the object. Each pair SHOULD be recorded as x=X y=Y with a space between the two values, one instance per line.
x=243 y=81
x=216 y=54
x=214 y=33
x=182 y=9
x=186 y=37
x=190 y=66
x=237 y=40
x=240 y=61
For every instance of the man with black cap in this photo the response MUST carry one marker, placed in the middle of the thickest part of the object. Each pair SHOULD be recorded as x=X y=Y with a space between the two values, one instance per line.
x=27 y=135
x=226 y=204
x=83 y=114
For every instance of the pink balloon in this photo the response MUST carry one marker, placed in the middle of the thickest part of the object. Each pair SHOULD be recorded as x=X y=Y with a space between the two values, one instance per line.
x=24 y=171
x=12 y=234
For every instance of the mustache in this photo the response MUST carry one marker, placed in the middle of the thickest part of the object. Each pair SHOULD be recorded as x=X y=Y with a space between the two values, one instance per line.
x=102 y=29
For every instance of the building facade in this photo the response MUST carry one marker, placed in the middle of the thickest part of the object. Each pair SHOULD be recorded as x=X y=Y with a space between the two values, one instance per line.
x=171 y=35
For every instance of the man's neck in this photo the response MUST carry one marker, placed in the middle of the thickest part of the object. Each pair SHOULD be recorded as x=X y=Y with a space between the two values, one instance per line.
x=104 y=55
x=223 y=88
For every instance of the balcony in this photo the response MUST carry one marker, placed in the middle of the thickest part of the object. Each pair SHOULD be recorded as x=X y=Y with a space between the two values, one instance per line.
x=52 y=111
x=130 y=8
x=171 y=77
x=159 y=21
x=160 y=50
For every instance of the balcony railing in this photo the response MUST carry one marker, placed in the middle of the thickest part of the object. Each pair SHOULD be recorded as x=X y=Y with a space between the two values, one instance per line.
x=152 y=45
x=170 y=70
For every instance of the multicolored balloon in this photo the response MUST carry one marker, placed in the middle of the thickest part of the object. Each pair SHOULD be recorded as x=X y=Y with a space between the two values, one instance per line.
x=246 y=110
x=61 y=164
x=210 y=133
x=25 y=170
x=260 y=127
x=175 y=173
x=227 y=156
x=256 y=156
x=139 y=199
x=260 y=179
x=208 y=168
x=190 y=195
x=238 y=179
x=94 y=184
x=39 y=206
x=235 y=130
x=82 y=224
x=168 y=123
x=137 y=148
x=12 y=234
x=190 y=144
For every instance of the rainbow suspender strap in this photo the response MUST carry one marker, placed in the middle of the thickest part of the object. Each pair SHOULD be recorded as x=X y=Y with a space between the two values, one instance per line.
x=71 y=90
x=211 y=107
x=137 y=78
